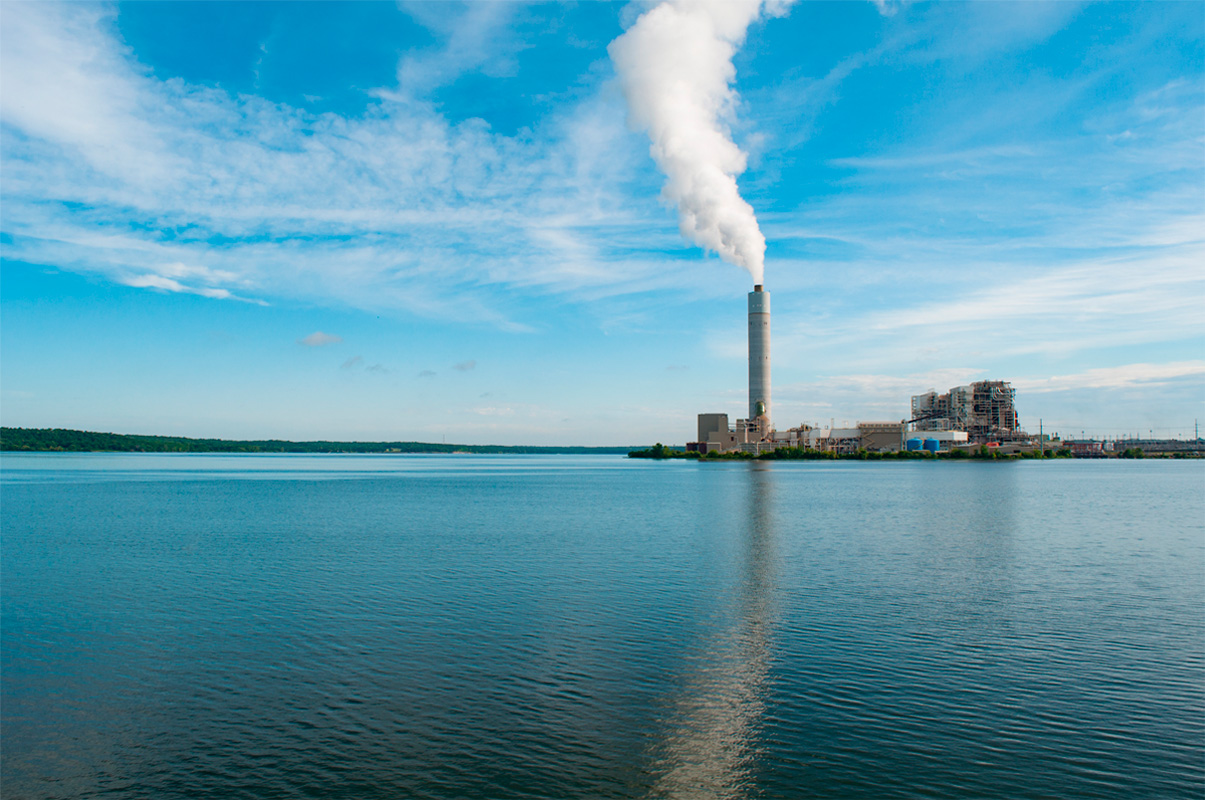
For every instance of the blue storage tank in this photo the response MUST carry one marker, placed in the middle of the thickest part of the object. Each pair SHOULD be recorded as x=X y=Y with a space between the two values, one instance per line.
x=912 y=444
x=932 y=445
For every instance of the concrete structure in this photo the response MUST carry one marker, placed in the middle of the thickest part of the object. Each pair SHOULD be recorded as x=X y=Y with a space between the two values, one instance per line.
x=834 y=440
x=716 y=435
x=879 y=437
x=755 y=433
x=759 y=356
x=712 y=423
x=882 y=437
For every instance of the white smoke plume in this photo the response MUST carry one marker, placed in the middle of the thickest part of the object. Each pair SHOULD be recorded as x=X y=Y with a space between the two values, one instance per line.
x=675 y=67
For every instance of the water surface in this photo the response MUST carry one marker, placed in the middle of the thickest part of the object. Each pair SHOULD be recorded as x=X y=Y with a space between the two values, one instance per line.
x=592 y=626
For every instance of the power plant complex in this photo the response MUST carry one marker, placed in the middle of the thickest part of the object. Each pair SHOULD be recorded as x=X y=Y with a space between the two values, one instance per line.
x=979 y=413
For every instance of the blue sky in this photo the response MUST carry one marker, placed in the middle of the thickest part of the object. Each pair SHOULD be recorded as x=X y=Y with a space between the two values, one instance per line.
x=451 y=195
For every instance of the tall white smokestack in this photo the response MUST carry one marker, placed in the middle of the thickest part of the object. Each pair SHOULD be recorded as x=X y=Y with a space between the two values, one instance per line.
x=759 y=353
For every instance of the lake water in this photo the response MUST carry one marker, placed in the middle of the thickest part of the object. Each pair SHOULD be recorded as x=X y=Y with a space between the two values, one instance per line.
x=566 y=626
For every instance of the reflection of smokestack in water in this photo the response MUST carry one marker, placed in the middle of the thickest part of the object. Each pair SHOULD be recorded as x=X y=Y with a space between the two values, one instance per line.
x=759 y=353
x=712 y=744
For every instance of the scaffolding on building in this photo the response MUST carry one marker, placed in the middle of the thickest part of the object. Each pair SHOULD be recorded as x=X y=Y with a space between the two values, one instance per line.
x=994 y=413
x=986 y=410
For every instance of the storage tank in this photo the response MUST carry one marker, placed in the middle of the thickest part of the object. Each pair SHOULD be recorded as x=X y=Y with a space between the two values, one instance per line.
x=912 y=444
x=932 y=445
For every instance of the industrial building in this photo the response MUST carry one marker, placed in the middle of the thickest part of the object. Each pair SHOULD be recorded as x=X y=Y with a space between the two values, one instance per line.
x=873 y=437
x=715 y=435
x=986 y=410
x=978 y=413
x=753 y=434
x=756 y=434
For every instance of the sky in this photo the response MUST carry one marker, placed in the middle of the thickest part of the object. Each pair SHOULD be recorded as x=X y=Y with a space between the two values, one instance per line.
x=442 y=221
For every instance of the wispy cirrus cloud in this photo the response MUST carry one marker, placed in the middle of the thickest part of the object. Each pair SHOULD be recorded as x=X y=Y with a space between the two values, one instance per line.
x=1119 y=377
x=493 y=411
x=112 y=172
x=474 y=40
x=172 y=285
x=863 y=396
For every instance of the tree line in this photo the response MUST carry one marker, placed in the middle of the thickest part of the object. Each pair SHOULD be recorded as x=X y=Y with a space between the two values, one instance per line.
x=65 y=440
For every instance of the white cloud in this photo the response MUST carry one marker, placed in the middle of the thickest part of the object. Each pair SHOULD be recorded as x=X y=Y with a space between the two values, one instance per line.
x=1109 y=290
x=886 y=7
x=465 y=366
x=863 y=396
x=1002 y=310
x=319 y=339
x=1119 y=377
x=172 y=285
x=71 y=85
x=112 y=172
x=491 y=411
x=181 y=270
x=475 y=40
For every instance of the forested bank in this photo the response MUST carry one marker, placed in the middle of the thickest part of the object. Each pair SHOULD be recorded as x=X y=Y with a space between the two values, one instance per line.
x=65 y=440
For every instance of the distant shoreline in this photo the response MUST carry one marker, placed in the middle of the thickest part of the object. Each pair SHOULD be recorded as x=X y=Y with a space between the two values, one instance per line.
x=64 y=440
x=970 y=452
x=659 y=453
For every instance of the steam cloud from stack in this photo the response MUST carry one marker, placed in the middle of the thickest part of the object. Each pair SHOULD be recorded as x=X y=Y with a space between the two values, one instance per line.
x=675 y=67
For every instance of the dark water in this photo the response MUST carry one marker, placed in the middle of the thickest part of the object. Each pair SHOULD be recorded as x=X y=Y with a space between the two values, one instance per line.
x=500 y=627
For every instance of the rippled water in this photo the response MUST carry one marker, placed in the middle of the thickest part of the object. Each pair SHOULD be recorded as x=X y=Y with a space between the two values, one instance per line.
x=493 y=626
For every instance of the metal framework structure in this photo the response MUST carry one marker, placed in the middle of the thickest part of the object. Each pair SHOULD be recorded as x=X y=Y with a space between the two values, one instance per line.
x=986 y=410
